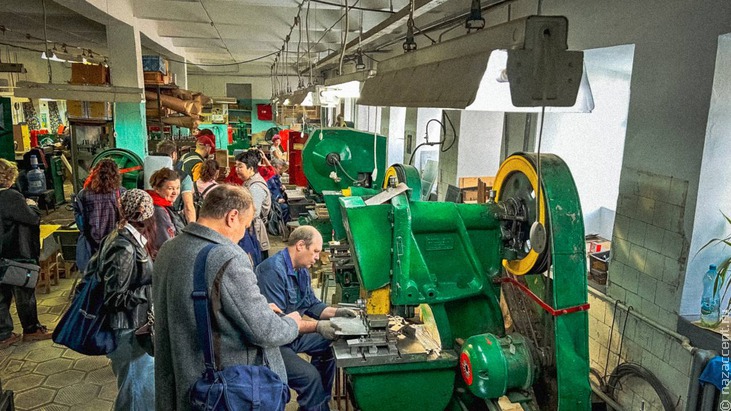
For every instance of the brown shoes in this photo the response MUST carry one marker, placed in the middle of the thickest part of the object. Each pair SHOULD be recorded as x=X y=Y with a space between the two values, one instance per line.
x=9 y=341
x=42 y=333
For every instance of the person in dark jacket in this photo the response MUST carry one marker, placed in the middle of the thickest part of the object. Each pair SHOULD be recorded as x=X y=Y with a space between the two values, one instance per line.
x=166 y=187
x=125 y=266
x=19 y=239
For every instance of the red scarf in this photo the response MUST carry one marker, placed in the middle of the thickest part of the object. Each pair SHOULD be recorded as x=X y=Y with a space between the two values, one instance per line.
x=158 y=200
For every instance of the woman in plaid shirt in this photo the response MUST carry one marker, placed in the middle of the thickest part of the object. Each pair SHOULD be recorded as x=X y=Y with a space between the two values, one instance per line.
x=100 y=201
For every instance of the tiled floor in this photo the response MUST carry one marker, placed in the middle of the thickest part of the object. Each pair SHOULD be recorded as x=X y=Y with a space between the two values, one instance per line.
x=48 y=376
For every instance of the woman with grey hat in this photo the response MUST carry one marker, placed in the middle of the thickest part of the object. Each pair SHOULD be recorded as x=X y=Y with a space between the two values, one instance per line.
x=125 y=265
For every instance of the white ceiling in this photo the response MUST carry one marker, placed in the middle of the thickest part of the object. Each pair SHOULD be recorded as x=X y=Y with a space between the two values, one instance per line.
x=221 y=32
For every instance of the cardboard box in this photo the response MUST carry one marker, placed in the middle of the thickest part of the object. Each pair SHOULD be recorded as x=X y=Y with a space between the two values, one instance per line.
x=596 y=244
x=89 y=74
x=599 y=267
x=100 y=109
x=75 y=108
x=89 y=109
x=471 y=182
x=156 y=78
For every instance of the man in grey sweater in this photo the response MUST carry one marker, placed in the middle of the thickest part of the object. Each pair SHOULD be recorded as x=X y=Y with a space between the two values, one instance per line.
x=249 y=331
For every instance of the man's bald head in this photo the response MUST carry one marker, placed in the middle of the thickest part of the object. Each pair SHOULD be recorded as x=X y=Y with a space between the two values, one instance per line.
x=306 y=233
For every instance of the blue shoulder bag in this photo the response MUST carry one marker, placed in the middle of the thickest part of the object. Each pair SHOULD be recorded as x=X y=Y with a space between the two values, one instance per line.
x=234 y=388
x=85 y=327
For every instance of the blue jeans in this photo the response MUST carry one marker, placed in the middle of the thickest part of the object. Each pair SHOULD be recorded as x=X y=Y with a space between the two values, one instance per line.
x=313 y=381
x=135 y=371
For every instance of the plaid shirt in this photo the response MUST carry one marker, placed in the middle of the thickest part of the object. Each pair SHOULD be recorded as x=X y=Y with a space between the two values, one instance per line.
x=101 y=214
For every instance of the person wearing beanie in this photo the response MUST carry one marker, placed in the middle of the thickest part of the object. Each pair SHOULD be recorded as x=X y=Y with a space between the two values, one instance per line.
x=276 y=149
x=124 y=264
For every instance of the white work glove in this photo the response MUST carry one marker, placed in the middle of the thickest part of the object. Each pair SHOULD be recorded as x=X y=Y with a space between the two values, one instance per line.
x=345 y=312
x=327 y=329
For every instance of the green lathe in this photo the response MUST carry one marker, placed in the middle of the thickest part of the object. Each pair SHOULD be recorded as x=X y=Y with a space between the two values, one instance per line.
x=435 y=333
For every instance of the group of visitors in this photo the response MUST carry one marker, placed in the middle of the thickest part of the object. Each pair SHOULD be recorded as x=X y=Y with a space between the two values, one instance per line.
x=144 y=245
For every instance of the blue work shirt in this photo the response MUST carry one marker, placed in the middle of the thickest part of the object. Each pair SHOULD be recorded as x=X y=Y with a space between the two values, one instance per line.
x=289 y=289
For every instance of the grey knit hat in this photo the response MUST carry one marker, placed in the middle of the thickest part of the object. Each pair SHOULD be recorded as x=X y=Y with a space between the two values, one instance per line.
x=136 y=205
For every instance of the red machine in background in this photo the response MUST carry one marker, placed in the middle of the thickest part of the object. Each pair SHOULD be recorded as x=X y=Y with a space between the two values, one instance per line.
x=297 y=142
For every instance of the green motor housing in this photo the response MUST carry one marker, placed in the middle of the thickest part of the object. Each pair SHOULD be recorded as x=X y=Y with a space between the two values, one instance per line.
x=491 y=366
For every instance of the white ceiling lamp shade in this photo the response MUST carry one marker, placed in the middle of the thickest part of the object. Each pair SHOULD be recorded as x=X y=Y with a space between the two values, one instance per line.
x=494 y=92
x=306 y=97
x=53 y=56
x=542 y=72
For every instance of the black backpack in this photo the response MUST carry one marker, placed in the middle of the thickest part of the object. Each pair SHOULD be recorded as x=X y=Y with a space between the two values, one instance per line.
x=199 y=196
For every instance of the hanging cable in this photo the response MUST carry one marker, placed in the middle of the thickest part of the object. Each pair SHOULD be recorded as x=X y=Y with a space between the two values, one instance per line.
x=344 y=38
x=45 y=42
x=409 y=43
x=307 y=33
x=538 y=167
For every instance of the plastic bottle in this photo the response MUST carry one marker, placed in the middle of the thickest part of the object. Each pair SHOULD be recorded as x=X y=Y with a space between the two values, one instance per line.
x=36 y=178
x=710 y=302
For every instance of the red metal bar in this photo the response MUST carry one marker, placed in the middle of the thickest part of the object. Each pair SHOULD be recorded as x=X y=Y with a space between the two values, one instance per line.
x=554 y=312
x=130 y=169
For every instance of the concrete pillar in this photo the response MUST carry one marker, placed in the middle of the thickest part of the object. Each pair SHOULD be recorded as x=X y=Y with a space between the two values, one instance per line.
x=180 y=70
x=125 y=62
x=480 y=137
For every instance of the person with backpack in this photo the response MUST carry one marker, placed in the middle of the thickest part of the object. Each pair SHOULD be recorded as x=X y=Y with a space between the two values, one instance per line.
x=191 y=163
x=247 y=164
x=124 y=264
x=248 y=332
x=209 y=175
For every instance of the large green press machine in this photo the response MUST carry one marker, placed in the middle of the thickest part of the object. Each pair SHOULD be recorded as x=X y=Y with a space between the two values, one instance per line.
x=447 y=265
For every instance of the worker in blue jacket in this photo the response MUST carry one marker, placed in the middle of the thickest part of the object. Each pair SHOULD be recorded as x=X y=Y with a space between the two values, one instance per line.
x=285 y=281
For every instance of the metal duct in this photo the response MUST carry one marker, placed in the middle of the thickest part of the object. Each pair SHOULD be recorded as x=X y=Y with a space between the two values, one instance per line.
x=449 y=74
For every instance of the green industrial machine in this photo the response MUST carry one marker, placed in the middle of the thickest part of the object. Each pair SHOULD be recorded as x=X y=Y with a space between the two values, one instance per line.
x=7 y=144
x=129 y=163
x=335 y=159
x=434 y=334
x=338 y=162
x=242 y=141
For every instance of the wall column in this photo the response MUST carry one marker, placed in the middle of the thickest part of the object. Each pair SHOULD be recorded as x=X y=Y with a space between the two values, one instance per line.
x=180 y=70
x=125 y=62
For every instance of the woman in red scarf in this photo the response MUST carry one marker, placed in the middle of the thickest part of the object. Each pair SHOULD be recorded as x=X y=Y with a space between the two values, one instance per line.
x=166 y=187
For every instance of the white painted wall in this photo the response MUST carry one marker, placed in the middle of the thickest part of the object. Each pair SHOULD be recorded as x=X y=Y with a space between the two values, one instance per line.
x=368 y=118
x=592 y=144
x=396 y=124
x=215 y=85
x=480 y=137
x=714 y=188
x=423 y=115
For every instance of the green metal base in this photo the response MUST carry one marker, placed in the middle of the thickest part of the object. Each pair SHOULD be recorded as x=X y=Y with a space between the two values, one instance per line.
x=421 y=386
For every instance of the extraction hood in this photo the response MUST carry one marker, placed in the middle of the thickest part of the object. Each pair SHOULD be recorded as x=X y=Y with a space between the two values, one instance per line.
x=451 y=74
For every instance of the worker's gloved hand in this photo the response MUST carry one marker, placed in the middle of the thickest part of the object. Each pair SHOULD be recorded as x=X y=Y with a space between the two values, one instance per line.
x=327 y=329
x=345 y=312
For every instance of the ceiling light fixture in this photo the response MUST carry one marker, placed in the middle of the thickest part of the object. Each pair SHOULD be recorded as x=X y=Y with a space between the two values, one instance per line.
x=541 y=70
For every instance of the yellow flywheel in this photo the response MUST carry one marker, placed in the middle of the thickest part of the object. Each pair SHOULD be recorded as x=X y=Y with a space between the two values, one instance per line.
x=516 y=185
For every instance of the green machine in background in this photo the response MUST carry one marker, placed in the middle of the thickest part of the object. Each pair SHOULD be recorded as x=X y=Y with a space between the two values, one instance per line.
x=335 y=159
x=129 y=163
x=338 y=162
x=7 y=143
x=450 y=262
